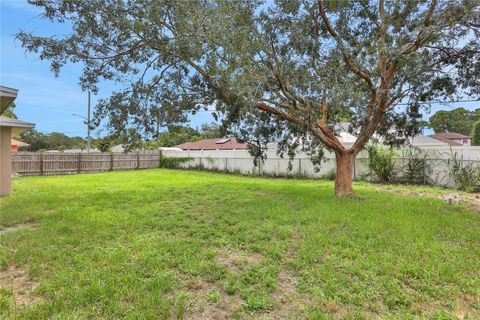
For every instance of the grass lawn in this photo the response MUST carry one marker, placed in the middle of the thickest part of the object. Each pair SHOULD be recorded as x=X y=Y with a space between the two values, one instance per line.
x=171 y=244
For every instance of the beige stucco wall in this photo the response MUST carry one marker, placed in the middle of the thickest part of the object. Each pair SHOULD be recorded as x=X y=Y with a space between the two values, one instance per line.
x=5 y=161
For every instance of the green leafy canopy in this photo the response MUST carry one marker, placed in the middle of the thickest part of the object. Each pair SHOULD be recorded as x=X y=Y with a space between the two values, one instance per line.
x=286 y=70
x=476 y=133
x=457 y=120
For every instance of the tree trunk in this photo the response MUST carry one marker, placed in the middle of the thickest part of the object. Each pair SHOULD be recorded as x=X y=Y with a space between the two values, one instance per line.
x=344 y=174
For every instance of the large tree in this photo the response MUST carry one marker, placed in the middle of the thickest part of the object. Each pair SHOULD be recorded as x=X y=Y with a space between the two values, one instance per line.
x=286 y=70
x=458 y=120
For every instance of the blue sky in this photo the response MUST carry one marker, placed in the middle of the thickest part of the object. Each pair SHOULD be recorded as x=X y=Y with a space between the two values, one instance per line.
x=49 y=101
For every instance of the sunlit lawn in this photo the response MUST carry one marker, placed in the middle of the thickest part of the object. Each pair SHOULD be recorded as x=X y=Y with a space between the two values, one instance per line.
x=156 y=244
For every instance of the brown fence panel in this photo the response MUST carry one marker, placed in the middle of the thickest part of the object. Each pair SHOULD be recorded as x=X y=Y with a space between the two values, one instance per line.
x=95 y=162
x=124 y=161
x=26 y=163
x=58 y=163
x=149 y=159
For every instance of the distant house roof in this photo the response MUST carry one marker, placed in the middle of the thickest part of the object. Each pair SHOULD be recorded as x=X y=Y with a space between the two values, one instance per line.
x=17 y=143
x=214 y=144
x=448 y=137
x=421 y=140
x=118 y=148
x=123 y=148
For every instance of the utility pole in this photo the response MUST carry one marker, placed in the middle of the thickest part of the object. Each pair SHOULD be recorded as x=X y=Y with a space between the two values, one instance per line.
x=158 y=125
x=88 y=123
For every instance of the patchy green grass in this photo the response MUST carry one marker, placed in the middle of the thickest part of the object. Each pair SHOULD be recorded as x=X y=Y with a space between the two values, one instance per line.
x=162 y=243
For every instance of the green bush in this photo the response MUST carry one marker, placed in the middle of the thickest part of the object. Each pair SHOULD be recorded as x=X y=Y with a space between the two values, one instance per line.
x=417 y=166
x=381 y=162
x=173 y=162
x=476 y=134
x=464 y=173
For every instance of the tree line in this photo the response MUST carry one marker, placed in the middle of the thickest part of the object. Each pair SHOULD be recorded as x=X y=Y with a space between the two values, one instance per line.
x=175 y=135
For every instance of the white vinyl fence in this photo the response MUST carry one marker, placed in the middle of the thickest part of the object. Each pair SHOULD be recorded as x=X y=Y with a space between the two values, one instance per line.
x=240 y=161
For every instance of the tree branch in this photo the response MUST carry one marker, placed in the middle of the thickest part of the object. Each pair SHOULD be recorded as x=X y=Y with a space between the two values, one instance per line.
x=346 y=57
x=420 y=38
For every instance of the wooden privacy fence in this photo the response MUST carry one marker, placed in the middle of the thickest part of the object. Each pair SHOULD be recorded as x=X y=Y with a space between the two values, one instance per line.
x=44 y=163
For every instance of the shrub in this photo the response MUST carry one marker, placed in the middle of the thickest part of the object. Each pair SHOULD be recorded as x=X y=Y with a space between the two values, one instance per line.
x=476 y=134
x=465 y=174
x=381 y=162
x=417 y=166
x=173 y=162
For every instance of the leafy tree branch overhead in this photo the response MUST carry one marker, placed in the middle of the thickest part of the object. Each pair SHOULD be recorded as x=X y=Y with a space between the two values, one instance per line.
x=286 y=70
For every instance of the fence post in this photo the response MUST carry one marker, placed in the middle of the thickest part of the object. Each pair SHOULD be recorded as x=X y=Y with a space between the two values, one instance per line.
x=159 y=158
x=424 y=175
x=41 y=163
x=355 y=169
x=111 y=161
x=138 y=159
x=79 y=163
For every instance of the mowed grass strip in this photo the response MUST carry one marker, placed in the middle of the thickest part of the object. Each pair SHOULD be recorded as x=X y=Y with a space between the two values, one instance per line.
x=172 y=244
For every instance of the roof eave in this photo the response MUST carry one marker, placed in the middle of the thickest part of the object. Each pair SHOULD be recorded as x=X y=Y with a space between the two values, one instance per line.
x=7 y=96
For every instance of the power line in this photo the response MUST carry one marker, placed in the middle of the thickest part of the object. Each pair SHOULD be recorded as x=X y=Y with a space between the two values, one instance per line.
x=398 y=104
x=440 y=102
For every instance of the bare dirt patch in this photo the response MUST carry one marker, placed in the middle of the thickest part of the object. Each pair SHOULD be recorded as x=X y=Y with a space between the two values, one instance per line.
x=4 y=230
x=454 y=197
x=472 y=201
x=205 y=300
x=465 y=307
x=289 y=302
x=235 y=260
x=208 y=301
x=21 y=284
